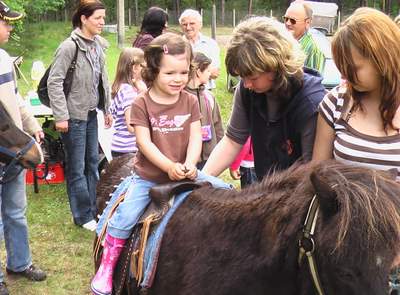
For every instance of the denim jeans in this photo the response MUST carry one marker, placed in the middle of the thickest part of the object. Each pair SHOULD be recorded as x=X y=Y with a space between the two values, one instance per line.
x=13 y=209
x=82 y=156
x=136 y=200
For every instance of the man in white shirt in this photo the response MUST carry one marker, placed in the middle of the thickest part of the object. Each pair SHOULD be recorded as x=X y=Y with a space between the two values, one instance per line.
x=191 y=23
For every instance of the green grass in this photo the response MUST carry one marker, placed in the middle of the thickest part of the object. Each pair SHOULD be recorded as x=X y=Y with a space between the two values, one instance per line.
x=63 y=250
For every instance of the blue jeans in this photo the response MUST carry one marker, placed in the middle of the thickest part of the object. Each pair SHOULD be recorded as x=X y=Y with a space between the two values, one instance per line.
x=13 y=209
x=82 y=157
x=136 y=200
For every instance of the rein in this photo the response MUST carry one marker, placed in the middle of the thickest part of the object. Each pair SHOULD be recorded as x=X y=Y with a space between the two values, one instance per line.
x=307 y=244
x=16 y=156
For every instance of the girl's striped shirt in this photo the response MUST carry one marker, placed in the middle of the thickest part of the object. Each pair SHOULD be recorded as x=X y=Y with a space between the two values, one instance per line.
x=123 y=141
x=356 y=148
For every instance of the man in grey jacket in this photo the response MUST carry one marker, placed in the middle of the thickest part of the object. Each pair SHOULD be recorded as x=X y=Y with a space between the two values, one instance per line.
x=12 y=193
x=76 y=115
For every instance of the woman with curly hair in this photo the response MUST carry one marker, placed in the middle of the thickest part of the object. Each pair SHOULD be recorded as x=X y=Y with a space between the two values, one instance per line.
x=276 y=101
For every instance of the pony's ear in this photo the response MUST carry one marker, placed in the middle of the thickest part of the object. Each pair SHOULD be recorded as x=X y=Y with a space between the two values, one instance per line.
x=326 y=195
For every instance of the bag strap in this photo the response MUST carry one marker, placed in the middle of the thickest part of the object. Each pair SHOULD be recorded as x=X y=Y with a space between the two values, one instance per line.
x=73 y=63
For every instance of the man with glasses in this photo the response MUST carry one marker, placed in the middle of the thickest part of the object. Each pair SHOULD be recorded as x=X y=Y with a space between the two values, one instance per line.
x=191 y=23
x=297 y=20
x=12 y=193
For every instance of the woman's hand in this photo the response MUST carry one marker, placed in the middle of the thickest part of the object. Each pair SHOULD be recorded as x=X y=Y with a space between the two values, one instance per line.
x=176 y=171
x=62 y=126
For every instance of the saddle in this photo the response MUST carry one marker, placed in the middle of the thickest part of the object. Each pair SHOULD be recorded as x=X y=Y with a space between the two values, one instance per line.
x=132 y=257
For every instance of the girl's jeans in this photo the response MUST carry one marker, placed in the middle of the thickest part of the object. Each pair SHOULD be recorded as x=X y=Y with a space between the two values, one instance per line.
x=136 y=200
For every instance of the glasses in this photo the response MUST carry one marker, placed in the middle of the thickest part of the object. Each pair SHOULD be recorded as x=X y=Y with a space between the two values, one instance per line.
x=293 y=20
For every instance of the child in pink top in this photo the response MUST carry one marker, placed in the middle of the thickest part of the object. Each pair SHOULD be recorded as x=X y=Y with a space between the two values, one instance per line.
x=243 y=166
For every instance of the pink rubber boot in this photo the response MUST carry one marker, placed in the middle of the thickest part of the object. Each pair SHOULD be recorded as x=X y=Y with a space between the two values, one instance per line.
x=102 y=281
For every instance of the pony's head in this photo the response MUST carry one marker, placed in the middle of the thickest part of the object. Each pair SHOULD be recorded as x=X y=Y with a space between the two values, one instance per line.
x=357 y=233
x=13 y=140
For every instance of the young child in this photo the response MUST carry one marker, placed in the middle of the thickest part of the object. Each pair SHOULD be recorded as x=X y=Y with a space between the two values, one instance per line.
x=166 y=120
x=243 y=166
x=211 y=122
x=127 y=85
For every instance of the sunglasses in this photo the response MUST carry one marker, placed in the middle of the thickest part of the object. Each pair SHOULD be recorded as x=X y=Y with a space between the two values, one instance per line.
x=292 y=20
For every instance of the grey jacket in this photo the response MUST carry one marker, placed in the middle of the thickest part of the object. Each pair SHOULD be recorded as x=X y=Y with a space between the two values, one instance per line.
x=77 y=104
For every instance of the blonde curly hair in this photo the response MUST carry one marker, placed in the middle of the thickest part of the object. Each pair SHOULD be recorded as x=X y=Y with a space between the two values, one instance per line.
x=262 y=44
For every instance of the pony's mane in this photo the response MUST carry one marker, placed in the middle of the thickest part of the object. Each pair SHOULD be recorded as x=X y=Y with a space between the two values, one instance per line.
x=367 y=197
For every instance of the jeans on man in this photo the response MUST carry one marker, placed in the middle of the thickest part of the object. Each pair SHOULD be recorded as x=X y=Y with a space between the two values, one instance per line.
x=82 y=156
x=13 y=209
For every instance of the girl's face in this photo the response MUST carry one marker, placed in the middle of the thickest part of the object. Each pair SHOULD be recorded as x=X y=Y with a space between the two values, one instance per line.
x=204 y=76
x=173 y=75
x=93 y=25
x=367 y=76
x=137 y=71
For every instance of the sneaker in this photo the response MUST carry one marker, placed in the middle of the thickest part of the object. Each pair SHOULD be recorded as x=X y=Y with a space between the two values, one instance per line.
x=3 y=289
x=91 y=225
x=32 y=273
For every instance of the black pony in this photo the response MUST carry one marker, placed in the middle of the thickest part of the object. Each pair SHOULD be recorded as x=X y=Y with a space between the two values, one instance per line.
x=239 y=243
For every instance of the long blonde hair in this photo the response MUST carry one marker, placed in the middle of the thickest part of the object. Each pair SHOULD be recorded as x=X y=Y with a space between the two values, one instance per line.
x=262 y=44
x=128 y=57
x=376 y=37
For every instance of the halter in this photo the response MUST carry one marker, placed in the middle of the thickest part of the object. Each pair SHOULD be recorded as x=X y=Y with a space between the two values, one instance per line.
x=16 y=156
x=307 y=244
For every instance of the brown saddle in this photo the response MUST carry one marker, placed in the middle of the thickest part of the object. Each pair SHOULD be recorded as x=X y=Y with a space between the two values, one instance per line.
x=132 y=255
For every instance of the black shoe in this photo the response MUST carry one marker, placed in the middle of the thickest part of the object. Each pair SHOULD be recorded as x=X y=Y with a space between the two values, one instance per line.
x=32 y=273
x=3 y=289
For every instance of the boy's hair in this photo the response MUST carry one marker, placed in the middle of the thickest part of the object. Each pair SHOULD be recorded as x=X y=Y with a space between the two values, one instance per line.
x=200 y=61
x=376 y=37
x=86 y=8
x=168 y=43
x=124 y=74
x=262 y=44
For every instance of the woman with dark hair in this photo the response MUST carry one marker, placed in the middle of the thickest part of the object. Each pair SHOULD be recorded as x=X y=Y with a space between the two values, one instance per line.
x=76 y=114
x=155 y=20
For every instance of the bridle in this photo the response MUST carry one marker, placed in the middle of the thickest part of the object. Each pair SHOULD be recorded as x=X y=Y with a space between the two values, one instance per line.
x=16 y=157
x=307 y=244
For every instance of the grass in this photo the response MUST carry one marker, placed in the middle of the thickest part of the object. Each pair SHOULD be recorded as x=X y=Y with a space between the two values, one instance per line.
x=63 y=250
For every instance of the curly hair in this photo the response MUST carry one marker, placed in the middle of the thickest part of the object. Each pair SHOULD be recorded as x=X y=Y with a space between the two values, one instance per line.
x=262 y=44
x=376 y=37
x=168 y=43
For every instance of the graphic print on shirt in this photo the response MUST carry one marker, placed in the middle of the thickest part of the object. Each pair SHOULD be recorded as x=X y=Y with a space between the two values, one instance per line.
x=165 y=125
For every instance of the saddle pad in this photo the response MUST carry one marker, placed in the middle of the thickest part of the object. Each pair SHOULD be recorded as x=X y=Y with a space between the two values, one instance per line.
x=154 y=243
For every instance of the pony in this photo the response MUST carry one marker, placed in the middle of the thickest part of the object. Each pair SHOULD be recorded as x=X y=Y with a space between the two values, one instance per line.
x=247 y=242
x=16 y=146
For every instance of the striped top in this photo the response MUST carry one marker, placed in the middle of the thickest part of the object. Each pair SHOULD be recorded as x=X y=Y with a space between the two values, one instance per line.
x=123 y=141
x=353 y=147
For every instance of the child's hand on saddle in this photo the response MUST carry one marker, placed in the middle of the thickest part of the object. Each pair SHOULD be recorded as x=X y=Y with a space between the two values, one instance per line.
x=176 y=171
x=190 y=171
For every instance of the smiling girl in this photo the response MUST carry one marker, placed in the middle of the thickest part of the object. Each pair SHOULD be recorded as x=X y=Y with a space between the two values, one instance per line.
x=166 y=120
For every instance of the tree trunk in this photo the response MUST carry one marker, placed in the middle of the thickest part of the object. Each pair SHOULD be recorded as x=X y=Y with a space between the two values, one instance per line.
x=250 y=7
x=223 y=12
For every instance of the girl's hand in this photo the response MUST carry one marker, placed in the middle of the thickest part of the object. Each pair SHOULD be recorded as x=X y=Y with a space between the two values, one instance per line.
x=235 y=174
x=176 y=171
x=190 y=171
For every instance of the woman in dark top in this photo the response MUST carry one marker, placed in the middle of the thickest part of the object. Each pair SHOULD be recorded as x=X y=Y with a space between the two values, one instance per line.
x=155 y=20
x=276 y=101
